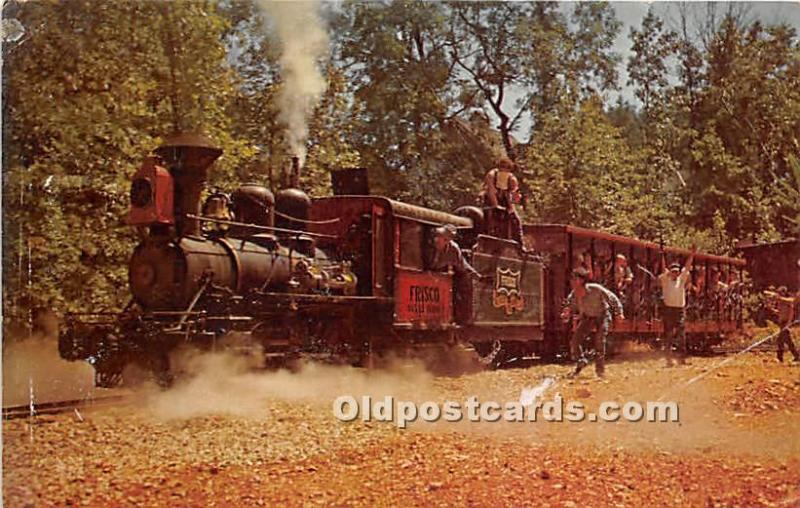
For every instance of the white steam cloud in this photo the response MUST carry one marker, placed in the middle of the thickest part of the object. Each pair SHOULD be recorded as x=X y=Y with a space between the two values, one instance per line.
x=304 y=42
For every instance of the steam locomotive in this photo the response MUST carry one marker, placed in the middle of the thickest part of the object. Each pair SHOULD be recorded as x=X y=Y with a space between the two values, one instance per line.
x=345 y=277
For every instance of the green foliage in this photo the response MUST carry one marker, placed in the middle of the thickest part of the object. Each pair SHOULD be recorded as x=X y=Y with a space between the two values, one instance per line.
x=787 y=194
x=426 y=95
x=746 y=124
x=330 y=133
x=647 y=65
x=582 y=172
x=592 y=60
x=396 y=58
x=91 y=90
x=504 y=49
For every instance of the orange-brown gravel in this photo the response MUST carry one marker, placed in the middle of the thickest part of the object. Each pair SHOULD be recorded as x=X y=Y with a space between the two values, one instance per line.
x=738 y=444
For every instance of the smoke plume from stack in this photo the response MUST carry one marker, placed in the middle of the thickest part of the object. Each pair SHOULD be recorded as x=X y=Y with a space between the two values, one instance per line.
x=304 y=41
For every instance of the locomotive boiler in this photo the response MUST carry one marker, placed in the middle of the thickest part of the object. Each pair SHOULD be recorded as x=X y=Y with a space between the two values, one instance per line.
x=174 y=263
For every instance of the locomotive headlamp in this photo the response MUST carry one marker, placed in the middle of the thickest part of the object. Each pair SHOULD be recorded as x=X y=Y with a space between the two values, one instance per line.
x=141 y=192
x=152 y=195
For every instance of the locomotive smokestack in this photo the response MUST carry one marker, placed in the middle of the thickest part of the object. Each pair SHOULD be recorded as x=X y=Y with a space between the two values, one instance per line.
x=294 y=178
x=188 y=157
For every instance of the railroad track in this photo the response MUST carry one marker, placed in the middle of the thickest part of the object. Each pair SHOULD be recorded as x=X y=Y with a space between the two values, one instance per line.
x=726 y=350
x=61 y=406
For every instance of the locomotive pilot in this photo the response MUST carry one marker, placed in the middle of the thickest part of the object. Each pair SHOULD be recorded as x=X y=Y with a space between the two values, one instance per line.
x=501 y=190
x=596 y=307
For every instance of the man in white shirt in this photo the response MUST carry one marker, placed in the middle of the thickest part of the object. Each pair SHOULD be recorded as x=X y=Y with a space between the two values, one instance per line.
x=673 y=289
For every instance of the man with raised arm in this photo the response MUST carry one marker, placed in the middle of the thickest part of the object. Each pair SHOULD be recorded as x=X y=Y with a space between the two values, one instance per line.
x=674 y=282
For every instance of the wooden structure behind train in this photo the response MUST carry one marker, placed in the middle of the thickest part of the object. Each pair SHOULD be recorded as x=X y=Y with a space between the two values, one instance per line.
x=348 y=276
x=774 y=269
x=773 y=265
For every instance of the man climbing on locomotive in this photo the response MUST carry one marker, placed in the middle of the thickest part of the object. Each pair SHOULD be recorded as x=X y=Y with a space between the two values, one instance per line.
x=596 y=307
x=501 y=191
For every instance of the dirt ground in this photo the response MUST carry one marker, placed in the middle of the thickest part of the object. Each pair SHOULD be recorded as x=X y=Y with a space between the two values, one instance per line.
x=229 y=437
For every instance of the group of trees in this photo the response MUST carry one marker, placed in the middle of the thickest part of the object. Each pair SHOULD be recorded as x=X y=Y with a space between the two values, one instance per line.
x=425 y=95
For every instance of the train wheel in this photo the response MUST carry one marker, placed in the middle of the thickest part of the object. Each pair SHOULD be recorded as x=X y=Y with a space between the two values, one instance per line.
x=154 y=366
x=514 y=354
x=161 y=370
x=274 y=358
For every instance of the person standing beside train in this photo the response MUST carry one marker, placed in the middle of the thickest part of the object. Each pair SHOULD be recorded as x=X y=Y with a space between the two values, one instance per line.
x=596 y=307
x=782 y=310
x=674 y=282
x=623 y=279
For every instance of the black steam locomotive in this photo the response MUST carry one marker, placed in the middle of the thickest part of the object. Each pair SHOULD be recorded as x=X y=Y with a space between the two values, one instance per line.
x=342 y=277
